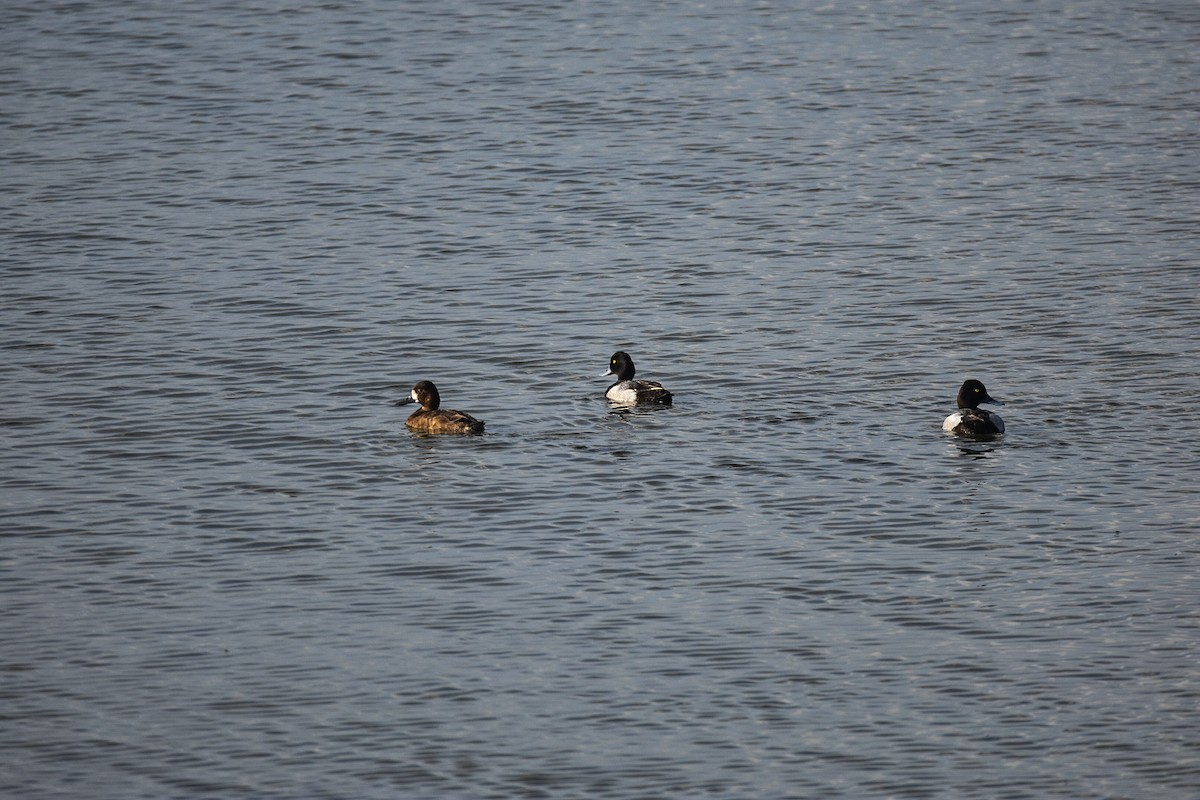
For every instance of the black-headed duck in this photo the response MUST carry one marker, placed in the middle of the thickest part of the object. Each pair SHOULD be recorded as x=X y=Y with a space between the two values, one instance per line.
x=970 y=420
x=628 y=391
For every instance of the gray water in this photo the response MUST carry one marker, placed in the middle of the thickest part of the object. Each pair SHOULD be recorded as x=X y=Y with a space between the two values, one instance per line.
x=236 y=233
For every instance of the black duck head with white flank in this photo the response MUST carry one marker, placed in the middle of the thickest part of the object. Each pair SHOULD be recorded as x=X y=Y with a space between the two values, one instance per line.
x=627 y=391
x=970 y=420
x=432 y=418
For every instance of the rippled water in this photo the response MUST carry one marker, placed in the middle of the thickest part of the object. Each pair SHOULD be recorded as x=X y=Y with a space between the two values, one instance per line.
x=236 y=234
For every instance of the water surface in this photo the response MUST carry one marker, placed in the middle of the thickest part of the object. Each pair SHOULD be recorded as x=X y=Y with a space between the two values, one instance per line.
x=236 y=234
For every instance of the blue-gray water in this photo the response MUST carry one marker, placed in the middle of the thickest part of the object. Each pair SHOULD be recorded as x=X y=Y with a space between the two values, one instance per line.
x=235 y=233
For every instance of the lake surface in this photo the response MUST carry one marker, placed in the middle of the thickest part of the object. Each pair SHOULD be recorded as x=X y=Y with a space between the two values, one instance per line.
x=236 y=233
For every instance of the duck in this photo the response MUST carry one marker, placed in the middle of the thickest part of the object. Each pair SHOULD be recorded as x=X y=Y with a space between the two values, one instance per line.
x=430 y=418
x=626 y=390
x=970 y=420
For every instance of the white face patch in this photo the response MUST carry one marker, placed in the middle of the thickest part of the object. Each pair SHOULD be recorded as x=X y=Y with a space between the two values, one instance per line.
x=413 y=395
